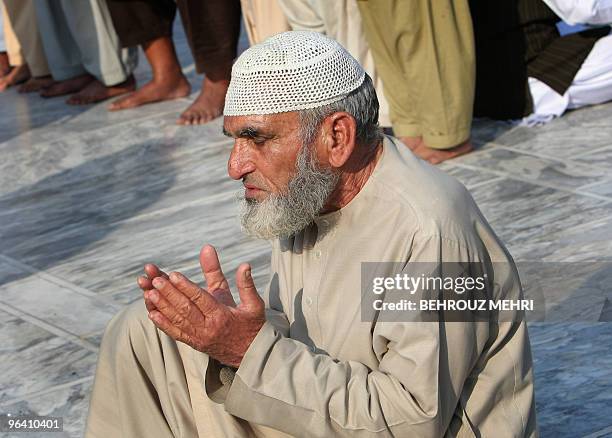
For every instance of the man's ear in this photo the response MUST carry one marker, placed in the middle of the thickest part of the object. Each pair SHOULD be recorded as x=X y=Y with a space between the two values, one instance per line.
x=340 y=134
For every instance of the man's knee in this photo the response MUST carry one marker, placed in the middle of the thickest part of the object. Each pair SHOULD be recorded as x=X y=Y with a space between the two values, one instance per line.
x=130 y=324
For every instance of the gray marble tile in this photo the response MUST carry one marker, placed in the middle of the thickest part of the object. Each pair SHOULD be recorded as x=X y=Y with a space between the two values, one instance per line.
x=601 y=189
x=486 y=131
x=567 y=291
x=469 y=177
x=70 y=403
x=589 y=117
x=559 y=173
x=557 y=139
x=9 y=272
x=521 y=213
x=56 y=305
x=32 y=359
x=601 y=158
x=141 y=145
x=572 y=376
x=589 y=239
x=86 y=216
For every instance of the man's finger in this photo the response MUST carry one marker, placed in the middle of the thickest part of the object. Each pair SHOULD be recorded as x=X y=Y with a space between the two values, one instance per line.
x=148 y=303
x=249 y=298
x=211 y=268
x=166 y=326
x=144 y=283
x=181 y=304
x=153 y=271
x=165 y=308
x=202 y=299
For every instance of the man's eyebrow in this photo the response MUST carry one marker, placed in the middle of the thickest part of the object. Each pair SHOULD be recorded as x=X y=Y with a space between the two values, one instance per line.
x=248 y=132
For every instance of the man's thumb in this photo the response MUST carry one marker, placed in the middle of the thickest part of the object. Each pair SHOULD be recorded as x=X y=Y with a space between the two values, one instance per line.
x=249 y=298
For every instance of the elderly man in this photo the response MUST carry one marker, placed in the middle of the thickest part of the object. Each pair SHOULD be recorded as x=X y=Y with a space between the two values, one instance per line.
x=307 y=361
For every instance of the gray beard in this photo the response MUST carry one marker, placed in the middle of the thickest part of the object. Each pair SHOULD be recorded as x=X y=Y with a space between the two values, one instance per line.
x=283 y=215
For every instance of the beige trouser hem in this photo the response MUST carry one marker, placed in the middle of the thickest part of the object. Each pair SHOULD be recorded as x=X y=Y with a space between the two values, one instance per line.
x=424 y=52
x=148 y=385
x=440 y=141
x=22 y=16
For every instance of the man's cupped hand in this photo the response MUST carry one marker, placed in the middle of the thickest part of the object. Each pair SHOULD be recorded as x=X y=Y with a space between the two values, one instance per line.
x=206 y=319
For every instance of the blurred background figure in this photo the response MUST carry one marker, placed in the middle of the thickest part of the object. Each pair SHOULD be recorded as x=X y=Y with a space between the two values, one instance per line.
x=592 y=83
x=83 y=51
x=527 y=69
x=424 y=53
x=262 y=19
x=212 y=28
x=4 y=62
x=340 y=20
x=22 y=16
x=12 y=64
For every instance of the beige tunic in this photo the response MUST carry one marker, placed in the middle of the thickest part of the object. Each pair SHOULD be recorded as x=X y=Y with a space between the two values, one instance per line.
x=329 y=374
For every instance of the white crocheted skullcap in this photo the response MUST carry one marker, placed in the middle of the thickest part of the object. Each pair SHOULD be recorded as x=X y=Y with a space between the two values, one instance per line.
x=291 y=71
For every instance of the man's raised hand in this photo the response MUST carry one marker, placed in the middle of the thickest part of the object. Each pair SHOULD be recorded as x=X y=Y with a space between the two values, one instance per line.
x=208 y=320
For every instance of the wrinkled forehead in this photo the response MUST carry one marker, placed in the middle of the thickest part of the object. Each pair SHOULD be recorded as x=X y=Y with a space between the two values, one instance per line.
x=263 y=124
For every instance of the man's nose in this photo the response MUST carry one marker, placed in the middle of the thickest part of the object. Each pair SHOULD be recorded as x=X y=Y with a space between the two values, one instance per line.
x=239 y=163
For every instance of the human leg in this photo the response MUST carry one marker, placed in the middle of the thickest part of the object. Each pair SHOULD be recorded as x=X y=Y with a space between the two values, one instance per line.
x=424 y=51
x=212 y=29
x=149 y=24
x=146 y=385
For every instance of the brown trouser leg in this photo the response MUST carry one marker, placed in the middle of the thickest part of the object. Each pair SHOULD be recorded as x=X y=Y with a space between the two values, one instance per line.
x=140 y=21
x=213 y=29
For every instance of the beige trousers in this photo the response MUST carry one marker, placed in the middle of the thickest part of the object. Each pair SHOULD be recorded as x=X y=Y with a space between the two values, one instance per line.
x=22 y=16
x=340 y=20
x=262 y=19
x=13 y=49
x=148 y=385
x=424 y=52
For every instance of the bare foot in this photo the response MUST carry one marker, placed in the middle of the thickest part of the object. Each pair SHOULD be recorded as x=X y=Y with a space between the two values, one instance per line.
x=436 y=156
x=154 y=91
x=412 y=142
x=96 y=91
x=67 y=86
x=35 y=84
x=5 y=67
x=208 y=105
x=16 y=76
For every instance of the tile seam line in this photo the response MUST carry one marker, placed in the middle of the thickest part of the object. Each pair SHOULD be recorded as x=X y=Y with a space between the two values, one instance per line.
x=484 y=183
x=48 y=327
x=58 y=281
x=45 y=391
x=595 y=184
x=599 y=433
x=120 y=123
x=548 y=157
x=536 y=182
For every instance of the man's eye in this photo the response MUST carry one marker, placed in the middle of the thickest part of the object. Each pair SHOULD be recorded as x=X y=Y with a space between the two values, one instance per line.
x=259 y=140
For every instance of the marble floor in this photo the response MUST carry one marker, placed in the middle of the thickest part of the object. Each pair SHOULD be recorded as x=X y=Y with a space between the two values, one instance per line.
x=87 y=197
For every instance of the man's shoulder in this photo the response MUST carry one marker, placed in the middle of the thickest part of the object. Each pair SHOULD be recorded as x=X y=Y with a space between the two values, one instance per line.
x=418 y=189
